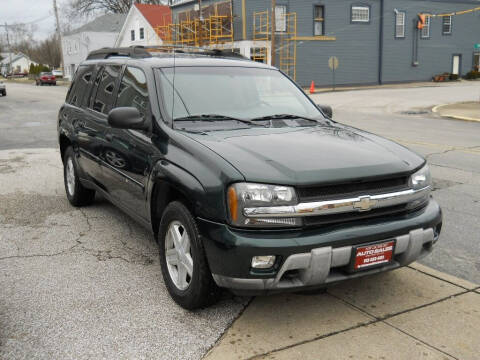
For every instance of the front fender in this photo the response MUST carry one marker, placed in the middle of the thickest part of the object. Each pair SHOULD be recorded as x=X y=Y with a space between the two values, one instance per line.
x=168 y=175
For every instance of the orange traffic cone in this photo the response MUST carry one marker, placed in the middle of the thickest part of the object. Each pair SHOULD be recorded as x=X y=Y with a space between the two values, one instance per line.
x=312 y=87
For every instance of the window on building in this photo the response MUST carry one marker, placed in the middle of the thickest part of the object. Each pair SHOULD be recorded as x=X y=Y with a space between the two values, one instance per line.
x=400 y=24
x=426 y=28
x=447 y=25
x=133 y=91
x=142 y=33
x=360 y=13
x=132 y=35
x=280 y=18
x=319 y=21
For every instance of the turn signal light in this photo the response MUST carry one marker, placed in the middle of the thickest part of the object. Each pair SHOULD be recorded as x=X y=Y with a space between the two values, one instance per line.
x=233 y=203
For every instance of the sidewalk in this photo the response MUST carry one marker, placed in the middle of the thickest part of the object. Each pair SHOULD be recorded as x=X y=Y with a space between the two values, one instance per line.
x=469 y=111
x=410 y=313
x=402 y=85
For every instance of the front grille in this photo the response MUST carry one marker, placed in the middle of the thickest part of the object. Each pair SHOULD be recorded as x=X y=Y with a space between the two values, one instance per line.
x=312 y=221
x=345 y=190
x=397 y=210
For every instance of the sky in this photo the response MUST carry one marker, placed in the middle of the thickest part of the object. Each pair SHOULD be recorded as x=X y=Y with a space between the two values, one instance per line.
x=25 y=11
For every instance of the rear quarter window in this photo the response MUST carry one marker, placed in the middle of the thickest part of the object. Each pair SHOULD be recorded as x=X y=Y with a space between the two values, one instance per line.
x=80 y=85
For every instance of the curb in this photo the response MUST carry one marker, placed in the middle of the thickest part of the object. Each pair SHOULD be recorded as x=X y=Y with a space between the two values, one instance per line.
x=451 y=116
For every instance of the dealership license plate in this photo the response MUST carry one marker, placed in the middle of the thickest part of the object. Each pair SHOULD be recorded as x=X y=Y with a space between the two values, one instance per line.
x=373 y=255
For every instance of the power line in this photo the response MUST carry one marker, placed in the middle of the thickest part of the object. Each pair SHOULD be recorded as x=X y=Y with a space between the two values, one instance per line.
x=30 y=22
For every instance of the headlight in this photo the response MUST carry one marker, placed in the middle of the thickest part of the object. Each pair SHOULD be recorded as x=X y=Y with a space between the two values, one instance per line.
x=421 y=178
x=248 y=195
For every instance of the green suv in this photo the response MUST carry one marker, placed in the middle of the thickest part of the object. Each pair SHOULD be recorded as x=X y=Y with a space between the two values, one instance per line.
x=245 y=183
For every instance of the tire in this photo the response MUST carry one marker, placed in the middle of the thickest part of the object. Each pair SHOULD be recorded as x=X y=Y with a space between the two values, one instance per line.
x=77 y=194
x=198 y=290
x=4 y=93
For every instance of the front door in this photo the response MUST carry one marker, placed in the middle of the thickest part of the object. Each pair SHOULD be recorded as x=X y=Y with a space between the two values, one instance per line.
x=456 y=64
x=127 y=157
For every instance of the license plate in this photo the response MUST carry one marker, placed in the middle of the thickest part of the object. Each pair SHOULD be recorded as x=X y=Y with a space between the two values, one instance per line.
x=373 y=255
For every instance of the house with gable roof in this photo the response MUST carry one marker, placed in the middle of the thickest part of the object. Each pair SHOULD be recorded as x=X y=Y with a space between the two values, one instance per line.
x=139 y=27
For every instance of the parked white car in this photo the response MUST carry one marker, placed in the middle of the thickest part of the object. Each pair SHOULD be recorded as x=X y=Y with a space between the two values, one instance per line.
x=57 y=73
x=3 y=88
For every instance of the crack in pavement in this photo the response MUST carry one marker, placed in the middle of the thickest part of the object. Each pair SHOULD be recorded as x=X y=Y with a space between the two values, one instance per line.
x=450 y=149
x=101 y=255
x=137 y=257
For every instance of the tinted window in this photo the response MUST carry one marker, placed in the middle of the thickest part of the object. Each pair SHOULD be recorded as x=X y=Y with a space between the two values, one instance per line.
x=107 y=79
x=96 y=82
x=80 y=84
x=133 y=91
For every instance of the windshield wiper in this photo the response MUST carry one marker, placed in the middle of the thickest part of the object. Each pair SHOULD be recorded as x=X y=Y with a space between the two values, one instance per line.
x=283 y=117
x=214 y=117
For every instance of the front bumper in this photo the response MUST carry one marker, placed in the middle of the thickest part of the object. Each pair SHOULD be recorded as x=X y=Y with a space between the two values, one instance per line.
x=322 y=266
x=312 y=258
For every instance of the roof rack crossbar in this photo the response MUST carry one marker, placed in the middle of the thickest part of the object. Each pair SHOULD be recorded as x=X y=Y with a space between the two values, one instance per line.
x=141 y=52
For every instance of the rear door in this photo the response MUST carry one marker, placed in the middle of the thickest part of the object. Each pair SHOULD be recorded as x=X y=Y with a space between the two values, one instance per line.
x=127 y=157
x=99 y=103
x=83 y=131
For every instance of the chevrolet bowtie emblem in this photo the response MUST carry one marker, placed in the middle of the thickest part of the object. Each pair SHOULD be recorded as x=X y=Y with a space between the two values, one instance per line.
x=364 y=204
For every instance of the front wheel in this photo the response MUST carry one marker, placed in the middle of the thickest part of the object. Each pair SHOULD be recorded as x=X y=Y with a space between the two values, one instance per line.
x=182 y=258
x=77 y=194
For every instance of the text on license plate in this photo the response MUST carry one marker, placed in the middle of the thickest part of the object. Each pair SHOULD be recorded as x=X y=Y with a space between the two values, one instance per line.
x=374 y=254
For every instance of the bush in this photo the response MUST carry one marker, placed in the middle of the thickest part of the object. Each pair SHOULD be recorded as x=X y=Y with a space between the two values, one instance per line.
x=472 y=75
x=453 y=76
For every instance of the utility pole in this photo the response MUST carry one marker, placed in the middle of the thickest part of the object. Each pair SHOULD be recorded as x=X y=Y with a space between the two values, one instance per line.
x=200 y=14
x=274 y=27
x=59 y=35
x=9 y=49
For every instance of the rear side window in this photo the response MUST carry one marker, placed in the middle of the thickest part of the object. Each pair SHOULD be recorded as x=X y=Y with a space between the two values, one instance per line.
x=80 y=85
x=106 y=80
x=133 y=91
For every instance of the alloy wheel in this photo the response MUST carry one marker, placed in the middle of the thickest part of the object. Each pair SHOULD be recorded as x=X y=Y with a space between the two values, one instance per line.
x=70 y=173
x=178 y=256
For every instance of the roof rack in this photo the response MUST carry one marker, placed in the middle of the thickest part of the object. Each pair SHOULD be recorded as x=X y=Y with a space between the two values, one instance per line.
x=141 y=52
x=137 y=52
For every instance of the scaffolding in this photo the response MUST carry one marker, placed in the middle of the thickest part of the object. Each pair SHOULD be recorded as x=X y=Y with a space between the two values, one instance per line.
x=261 y=35
x=214 y=30
x=287 y=46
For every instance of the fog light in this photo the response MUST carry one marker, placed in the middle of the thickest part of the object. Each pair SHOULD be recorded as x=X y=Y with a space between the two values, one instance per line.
x=263 y=262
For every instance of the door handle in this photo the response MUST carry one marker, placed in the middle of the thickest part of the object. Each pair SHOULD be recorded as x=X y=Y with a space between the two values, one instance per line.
x=109 y=137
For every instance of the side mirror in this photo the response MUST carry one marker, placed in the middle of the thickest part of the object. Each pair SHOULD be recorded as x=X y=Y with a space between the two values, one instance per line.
x=327 y=110
x=126 y=118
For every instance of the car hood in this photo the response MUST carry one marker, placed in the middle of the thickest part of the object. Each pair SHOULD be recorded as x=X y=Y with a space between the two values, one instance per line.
x=309 y=155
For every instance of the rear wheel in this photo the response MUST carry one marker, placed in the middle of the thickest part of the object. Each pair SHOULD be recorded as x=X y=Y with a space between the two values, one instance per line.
x=182 y=258
x=77 y=194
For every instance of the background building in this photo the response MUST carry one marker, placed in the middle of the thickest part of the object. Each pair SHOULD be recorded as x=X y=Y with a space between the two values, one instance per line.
x=375 y=41
x=139 y=26
x=101 y=32
x=15 y=62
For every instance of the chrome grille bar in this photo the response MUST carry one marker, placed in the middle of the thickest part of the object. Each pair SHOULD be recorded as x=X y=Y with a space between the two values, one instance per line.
x=354 y=204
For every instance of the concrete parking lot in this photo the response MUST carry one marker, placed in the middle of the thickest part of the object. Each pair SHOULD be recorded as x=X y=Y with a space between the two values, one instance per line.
x=78 y=284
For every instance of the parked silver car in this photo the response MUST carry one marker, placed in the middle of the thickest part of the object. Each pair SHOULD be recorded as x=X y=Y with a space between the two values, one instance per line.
x=3 y=88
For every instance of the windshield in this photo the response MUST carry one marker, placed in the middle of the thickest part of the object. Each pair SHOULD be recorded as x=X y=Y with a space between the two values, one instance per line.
x=236 y=92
